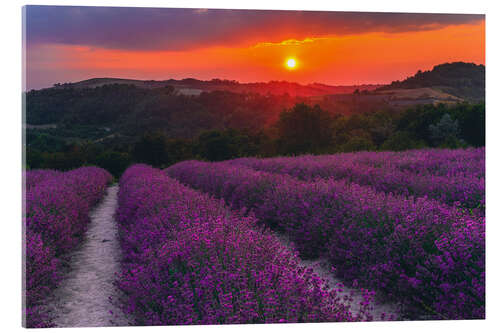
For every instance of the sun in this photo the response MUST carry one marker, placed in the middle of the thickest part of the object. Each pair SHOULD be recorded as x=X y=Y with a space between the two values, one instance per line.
x=291 y=63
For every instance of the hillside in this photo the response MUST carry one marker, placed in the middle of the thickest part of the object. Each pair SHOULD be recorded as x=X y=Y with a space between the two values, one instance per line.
x=131 y=110
x=192 y=86
x=117 y=112
x=460 y=79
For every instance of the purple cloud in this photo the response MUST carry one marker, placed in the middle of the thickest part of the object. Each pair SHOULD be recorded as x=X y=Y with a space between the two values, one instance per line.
x=180 y=29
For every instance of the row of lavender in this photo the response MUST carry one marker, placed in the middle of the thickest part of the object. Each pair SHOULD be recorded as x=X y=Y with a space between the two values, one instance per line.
x=56 y=215
x=437 y=161
x=455 y=178
x=417 y=251
x=190 y=260
x=440 y=162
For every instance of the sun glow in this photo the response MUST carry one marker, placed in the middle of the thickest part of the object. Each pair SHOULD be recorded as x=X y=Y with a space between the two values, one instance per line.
x=291 y=63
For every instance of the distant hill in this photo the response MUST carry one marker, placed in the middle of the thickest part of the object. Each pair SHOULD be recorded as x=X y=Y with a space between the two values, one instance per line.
x=192 y=86
x=102 y=107
x=463 y=80
x=445 y=83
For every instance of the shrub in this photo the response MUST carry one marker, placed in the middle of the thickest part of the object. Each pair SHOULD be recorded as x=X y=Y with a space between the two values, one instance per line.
x=56 y=216
x=188 y=260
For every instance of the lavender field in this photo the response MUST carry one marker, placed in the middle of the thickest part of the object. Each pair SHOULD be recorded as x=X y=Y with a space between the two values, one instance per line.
x=56 y=216
x=345 y=237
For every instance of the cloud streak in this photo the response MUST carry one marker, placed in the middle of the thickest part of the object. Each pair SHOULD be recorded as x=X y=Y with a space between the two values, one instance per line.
x=172 y=29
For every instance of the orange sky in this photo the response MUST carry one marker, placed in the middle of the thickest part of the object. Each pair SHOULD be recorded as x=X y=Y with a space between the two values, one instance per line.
x=368 y=57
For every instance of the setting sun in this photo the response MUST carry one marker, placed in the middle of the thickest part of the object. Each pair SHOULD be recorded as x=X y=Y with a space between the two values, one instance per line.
x=291 y=63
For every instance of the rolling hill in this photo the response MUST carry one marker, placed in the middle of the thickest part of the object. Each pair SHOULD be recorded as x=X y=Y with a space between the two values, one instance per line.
x=445 y=83
x=114 y=109
x=192 y=86
x=466 y=81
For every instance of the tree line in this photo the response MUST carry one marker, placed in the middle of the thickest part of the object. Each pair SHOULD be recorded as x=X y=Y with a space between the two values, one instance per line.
x=301 y=129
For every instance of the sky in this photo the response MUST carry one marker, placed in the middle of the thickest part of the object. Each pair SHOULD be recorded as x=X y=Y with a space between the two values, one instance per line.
x=69 y=44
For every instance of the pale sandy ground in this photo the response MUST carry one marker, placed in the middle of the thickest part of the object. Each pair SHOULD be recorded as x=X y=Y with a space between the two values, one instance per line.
x=323 y=270
x=82 y=299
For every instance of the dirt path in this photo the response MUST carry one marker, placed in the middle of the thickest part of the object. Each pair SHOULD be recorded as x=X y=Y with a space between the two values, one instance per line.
x=82 y=299
x=320 y=267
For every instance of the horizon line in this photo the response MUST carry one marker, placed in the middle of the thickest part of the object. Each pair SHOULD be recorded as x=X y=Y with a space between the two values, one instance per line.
x=245 y=82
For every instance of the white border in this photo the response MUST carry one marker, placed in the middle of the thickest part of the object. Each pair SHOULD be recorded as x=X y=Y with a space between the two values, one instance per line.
x=10 y=272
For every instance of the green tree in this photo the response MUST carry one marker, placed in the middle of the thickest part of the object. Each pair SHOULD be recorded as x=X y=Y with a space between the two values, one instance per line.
x=357 y=143
x=179 y=150
x=151 y=149
x=304 y=129
x=34 y=158
x=401 y=140
x=381 y=126
x=472 y=123
x=113 y=161
x=445 y=132
x=218 y=145
x=62 y=160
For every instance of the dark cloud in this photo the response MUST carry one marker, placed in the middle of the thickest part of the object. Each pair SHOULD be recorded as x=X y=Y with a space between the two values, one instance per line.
x=179 y=29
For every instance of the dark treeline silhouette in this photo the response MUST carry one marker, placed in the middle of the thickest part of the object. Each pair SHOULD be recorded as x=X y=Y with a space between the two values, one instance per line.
x=461 y=79
x=263 y=88
x=299 y=129
x=132 y=110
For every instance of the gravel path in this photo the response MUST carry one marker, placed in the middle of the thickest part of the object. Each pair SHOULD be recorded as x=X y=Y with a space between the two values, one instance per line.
x=83 y=298
x=320 y=267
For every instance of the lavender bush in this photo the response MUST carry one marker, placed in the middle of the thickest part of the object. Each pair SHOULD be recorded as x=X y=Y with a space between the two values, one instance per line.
x=33 y=177
x=57 y=207
x=446 y=179
x=189 y=260
x=418 y=251
x=440 y=162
